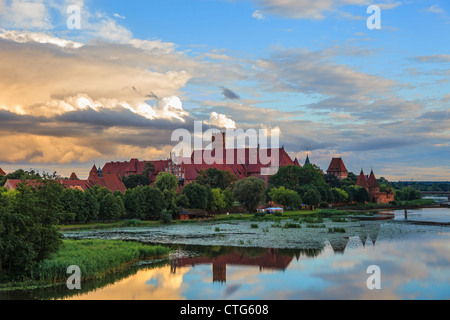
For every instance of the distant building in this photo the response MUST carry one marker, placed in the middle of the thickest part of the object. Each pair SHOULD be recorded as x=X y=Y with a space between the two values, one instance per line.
x=244 y=163
x=96 y=178
x=370 y=183
x=337 y=167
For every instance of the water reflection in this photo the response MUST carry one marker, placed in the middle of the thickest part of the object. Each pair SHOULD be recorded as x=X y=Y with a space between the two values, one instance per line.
x=414 y=260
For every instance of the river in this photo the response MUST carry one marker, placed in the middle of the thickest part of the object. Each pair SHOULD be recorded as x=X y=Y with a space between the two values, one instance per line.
x=242 y=262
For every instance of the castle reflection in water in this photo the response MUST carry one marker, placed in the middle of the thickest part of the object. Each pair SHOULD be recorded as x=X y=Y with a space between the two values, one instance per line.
x=265 y=259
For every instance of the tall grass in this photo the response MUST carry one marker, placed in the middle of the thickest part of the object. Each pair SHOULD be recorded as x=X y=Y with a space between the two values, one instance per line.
x=96 y=258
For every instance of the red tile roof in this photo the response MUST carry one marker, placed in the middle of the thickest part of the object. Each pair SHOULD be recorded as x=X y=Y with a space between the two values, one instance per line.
x=73 y=176
x=2 y=173
x=12 y=184
x=337 y=165
x=362 y=180
x=108 y=180
x=75 y=184
x=373 y=183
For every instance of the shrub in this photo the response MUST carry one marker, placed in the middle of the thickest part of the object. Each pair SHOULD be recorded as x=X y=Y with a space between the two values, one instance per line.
x=166 y=217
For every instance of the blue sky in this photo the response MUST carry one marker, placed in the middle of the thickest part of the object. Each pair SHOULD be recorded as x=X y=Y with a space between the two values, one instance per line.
x=116 y=88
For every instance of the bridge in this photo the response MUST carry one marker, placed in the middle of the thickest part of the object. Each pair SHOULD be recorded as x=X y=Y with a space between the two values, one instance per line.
x=436 y=193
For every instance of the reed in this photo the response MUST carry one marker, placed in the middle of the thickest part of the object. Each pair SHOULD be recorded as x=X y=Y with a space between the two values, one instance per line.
x=96 y=258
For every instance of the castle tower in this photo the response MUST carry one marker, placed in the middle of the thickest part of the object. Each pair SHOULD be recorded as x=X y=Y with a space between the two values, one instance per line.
x=374 y=188
x=337 y=167
x=362 y=181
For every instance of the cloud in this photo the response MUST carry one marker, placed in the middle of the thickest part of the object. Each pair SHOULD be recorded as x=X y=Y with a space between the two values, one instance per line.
x=25 y=14
x=315 y=10
x=434 y=9
x=258 y=15
x=71 y=72
x=220 y=121
x=229 y=94
x=435 y=58
x=304 y=71
x=119 y=16
x=27 y=36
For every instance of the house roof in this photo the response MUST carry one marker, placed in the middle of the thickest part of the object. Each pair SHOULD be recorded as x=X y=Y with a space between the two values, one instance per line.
x=108 y=180
x=2 y=173
x=337 y=165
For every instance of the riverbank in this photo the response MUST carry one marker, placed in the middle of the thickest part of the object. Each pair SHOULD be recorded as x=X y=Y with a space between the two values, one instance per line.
x=96 y=259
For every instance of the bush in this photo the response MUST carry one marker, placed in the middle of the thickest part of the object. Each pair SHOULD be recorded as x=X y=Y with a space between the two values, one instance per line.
x=132 y=223
x=166 y=217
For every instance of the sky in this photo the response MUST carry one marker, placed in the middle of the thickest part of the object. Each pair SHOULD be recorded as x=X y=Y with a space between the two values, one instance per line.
x=134 y=71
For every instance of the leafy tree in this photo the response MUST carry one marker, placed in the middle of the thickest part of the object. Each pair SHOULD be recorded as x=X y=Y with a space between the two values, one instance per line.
x=311 y=174
x=350 y=180
x=166 y=181
x=311 y=197
x=144 y=203
x=20 y=175
x=287 y=176
x=182 y=201
x=216 y=178
x=228 y=198
x=285 y=197
x=250 y=192
x=332 y=181
x=197 y=195
x=339 y=195
x=166 y=217
x=362 y=195
x=47 y=217
x=135 y=181
x=91 y=207
x=218 y=200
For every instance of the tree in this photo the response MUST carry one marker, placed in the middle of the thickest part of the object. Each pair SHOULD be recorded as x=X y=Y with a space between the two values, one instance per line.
x=228 y=198
x=197 y=195
x=135 y=181
x=350 y=180
x=362 y=195
x=287 y=176
x=47 y=217
x=144 y=203
x=339 y=195
x=166 y=181
x=250 y=192
x=311 y=174
x=216 y=178
x=108 y=208
x=218 y=200
x=311 y=197
x=166 y=217
x=21 y=175
x=285 y=197
x=182 y=201
x=332 y=181
x=91 y=206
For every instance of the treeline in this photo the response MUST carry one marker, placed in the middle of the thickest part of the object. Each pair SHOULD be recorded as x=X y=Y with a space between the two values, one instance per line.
x=422 y=186
x=28 y=232
x=308 y=185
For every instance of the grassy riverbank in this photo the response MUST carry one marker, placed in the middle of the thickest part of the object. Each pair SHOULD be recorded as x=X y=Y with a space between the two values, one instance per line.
x=96 y=259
